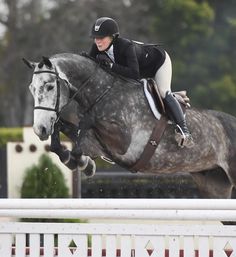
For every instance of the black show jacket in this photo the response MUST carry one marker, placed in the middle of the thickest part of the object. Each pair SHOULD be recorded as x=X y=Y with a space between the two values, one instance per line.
x=132 y=59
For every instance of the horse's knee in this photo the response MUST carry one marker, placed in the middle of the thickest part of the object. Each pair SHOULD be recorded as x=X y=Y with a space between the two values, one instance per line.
x=64 y=155
x=77 y=152
x=68 y=160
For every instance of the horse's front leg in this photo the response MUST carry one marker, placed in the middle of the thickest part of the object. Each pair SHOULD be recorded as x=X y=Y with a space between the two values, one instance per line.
x=73 y=160
x=64 y=155
x=85 y=163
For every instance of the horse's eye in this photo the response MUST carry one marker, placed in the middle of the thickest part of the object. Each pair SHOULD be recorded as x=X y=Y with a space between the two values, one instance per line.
x=50 y=87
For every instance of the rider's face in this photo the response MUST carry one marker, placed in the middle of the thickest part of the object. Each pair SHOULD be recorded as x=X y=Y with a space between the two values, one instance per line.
x=103 y=43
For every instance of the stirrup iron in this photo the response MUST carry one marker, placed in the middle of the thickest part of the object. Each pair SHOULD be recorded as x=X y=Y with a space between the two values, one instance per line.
x=183 y=139
x=180 y=137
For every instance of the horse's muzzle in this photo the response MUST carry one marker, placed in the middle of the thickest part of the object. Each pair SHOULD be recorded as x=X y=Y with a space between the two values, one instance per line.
x=42 y=132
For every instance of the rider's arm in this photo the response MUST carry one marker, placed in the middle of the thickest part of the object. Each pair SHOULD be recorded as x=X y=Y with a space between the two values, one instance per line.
x=131 y=70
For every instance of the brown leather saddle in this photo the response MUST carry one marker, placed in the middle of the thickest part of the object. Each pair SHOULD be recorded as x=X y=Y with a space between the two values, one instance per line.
x=181 y=97
x=160 y=125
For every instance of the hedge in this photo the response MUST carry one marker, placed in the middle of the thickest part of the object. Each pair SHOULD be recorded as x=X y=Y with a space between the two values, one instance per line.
x=10 y=134
x=14 y=135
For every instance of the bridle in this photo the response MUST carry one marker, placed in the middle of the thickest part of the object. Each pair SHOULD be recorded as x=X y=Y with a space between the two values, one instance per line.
x=86 y=120
x=72 y=93
x=57 y=105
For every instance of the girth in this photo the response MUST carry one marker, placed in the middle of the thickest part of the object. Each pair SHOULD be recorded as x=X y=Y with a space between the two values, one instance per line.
x=151 y=145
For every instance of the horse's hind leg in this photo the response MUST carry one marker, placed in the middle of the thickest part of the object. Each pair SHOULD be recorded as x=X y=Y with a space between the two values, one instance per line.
x=232 y=174
x=213 y=183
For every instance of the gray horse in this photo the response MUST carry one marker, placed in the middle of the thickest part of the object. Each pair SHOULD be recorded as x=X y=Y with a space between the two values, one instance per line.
x=116 y=122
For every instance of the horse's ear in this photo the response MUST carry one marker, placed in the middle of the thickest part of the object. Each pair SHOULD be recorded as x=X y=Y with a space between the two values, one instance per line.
x=47 y=62
x=31 y=65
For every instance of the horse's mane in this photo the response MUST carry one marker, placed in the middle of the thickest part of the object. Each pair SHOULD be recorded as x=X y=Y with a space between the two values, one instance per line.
x=77 y=57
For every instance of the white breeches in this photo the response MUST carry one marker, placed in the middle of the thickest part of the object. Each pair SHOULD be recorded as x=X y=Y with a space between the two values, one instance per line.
x=163 y=76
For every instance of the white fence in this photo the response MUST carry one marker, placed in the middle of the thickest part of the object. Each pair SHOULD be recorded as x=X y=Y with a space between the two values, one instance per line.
x=145 y=227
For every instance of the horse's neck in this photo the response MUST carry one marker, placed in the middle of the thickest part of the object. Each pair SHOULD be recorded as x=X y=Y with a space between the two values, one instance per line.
x=89 y=80
x=73 y=70
x=93 y=83
x=70 y=70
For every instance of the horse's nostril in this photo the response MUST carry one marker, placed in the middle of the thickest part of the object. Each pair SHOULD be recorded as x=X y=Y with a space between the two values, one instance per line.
x=43 y=130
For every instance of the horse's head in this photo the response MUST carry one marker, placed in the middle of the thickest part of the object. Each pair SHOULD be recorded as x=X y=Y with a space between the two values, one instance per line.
x=50 y=93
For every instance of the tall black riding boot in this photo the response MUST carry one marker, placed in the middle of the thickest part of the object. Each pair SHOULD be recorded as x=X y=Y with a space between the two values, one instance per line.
x=183 y=136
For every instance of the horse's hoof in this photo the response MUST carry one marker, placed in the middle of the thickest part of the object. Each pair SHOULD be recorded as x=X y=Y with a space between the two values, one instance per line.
x=82 y=162
x=90 y=170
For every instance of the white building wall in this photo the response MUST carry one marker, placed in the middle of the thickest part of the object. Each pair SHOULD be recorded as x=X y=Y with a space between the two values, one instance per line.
x=18 y=162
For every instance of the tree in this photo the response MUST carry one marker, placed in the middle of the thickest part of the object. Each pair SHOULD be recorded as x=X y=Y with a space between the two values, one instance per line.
x=13 y=44
x=44 y=180
x=220 y=83
x=199 y=36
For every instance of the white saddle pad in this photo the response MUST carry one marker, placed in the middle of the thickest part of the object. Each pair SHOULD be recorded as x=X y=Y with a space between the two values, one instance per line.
x=150 y=100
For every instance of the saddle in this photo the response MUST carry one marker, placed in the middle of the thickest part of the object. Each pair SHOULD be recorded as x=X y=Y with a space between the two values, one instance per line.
x=158 y=109
x=155 y=100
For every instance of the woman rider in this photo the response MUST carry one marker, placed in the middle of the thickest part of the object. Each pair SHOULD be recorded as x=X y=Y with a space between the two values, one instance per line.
x=136 y=60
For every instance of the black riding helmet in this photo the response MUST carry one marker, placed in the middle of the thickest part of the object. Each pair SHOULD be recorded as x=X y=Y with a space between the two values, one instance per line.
x=104 y=27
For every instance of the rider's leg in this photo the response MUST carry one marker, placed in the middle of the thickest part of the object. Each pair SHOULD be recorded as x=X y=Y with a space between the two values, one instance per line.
x=163 y=79
x=163 y=76
x=183 y=136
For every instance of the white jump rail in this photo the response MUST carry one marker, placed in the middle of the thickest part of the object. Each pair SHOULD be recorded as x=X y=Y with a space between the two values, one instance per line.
x=131 y=237
x=167 y=209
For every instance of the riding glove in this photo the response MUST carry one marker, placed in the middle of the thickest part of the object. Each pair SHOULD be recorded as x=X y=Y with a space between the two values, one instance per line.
x=85 y=54
x=104 y=60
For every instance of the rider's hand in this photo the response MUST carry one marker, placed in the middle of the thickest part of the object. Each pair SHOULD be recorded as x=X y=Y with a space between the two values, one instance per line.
x=85 y=54
x=104 y=60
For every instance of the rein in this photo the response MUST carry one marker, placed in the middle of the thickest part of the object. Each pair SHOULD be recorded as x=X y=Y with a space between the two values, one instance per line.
x=99 y=98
